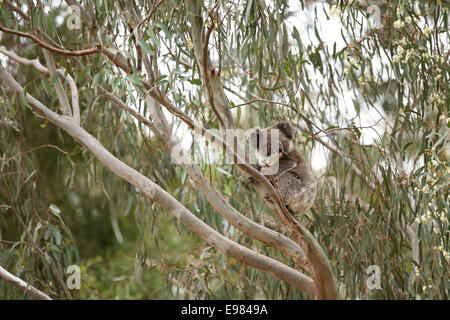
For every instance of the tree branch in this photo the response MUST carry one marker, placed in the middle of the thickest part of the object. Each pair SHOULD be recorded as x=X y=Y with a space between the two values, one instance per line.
x=73 y=87
x=42 y=44
x=216 y=95
x=60 y=92
x=19 y=283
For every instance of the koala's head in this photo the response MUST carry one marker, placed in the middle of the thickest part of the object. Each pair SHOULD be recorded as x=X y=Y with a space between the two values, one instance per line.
x=273 y=142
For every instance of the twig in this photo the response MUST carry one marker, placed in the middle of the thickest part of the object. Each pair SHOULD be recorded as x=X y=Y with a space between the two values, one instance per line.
x=35 y=62
x=41 y=43
x=148 y=16
x=38 y=148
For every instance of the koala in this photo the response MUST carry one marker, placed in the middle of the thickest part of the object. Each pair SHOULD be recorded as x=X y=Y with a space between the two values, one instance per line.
x=279 y=158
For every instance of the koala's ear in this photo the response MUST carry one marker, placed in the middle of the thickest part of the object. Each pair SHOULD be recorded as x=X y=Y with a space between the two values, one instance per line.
x=286 y=128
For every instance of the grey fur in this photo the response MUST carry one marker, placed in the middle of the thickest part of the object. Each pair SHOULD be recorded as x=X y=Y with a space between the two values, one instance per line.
x=294 y=177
